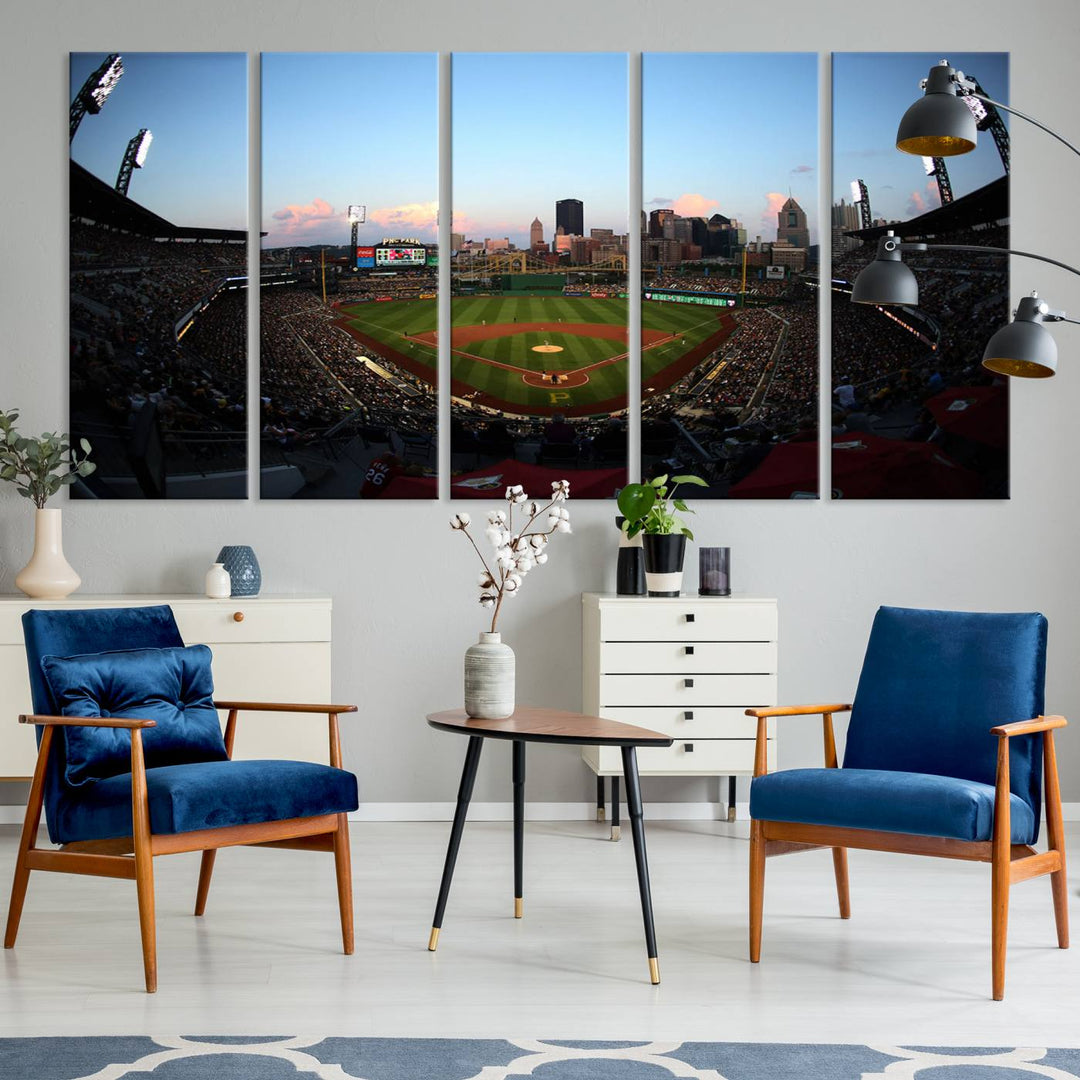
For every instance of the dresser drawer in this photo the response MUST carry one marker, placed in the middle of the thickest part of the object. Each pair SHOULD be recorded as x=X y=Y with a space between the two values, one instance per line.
x=745 y=691
x=688 y=620
x=709 y=757
x=214 y=621
x=691 y=723
x=689 y=657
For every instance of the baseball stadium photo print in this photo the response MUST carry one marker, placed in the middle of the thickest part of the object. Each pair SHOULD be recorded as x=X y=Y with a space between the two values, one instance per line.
x=539 y=311
x=915 y=415
x=158 y=273
x=729 y=272
x=349 y=277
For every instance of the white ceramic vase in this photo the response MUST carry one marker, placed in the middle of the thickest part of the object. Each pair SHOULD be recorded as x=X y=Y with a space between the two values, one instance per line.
x=489 y=678
x=48 y=575
x=218 y=582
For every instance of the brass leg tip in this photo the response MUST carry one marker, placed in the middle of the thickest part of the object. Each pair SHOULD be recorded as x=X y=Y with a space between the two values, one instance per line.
x=731 y=813
x=654 y=971
x=519 y=907
x=600 y=813
x=616 y=832
x=433 y=940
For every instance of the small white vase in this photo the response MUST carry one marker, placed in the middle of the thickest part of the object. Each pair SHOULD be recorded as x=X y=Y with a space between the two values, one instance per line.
x=218 y=582
x=48 y=575
x=489 y=679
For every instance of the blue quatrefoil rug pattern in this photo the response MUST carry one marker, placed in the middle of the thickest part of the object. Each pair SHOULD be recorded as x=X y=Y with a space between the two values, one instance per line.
x=285 y=1058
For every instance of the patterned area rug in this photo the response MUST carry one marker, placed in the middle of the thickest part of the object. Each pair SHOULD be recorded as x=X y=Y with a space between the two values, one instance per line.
x=284 y=1058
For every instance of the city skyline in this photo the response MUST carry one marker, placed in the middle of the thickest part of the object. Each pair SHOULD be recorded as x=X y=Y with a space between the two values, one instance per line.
x=196 y=106
x=731 y=133
x=511 y=163
x=865 y=123
x=380 y=152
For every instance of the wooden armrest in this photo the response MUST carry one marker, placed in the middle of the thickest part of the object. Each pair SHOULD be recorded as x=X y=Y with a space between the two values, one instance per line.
x=798 y=710
x=279 y=706
x=87 y=721
x=1028 y=727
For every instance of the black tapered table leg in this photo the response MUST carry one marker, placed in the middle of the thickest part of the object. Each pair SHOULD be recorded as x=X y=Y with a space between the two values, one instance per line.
x=615 y=800
x=465 y=789
x=637 y=827
x=600 y=800
x=731 y=798
x=519 y=825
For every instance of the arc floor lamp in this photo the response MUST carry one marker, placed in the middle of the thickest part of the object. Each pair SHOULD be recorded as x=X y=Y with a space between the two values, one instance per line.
x=940 y=124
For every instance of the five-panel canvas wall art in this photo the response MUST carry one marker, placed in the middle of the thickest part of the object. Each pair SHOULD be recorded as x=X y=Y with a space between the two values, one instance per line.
x=545 y=240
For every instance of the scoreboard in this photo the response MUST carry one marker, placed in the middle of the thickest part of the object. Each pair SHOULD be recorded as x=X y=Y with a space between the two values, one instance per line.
x=400 y=255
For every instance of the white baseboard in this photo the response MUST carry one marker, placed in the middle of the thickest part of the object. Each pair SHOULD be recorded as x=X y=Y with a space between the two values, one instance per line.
x=12 y=814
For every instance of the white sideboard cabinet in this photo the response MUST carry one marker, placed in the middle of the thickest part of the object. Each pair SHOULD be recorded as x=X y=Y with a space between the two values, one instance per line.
x=688 y=666
x=266 y=648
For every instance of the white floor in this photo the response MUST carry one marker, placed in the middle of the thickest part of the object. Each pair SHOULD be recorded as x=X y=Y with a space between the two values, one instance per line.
x=911 y=966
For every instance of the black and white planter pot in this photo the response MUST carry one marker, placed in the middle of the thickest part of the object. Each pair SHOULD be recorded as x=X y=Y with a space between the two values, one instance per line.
x=664 y=554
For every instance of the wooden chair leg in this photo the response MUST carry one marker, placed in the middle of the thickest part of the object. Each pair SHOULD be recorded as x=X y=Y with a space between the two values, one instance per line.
x=1000 y=871
x=343 y=867
x=839 y=858
x=757 y=888
x=28 y=840
x=206 y=871
x=144 y=862
x=1055 y=829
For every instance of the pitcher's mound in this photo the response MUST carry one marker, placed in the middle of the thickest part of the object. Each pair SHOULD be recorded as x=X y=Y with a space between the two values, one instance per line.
x=547 y=348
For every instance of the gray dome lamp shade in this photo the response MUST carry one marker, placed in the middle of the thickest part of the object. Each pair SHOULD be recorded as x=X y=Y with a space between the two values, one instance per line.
x=1024 y=348
x=939 y=124
x=886 y=280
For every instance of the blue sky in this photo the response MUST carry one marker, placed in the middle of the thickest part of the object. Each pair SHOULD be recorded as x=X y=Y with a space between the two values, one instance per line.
x=871 y=92
x=532 y=128
x=341 y=128
x=730 y=133
x=196 y=106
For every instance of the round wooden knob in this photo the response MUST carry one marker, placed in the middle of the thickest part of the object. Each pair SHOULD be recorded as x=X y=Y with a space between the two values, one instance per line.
x=238 y=616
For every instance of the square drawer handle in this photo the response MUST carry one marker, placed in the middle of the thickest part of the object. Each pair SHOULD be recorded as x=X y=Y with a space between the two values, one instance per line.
x=688 y=748
x=688 y=715
x=688 y=684
x=689 y=616
x=689 y=650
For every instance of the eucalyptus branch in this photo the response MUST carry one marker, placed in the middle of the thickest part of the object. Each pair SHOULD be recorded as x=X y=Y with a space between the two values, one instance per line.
x=48 y=462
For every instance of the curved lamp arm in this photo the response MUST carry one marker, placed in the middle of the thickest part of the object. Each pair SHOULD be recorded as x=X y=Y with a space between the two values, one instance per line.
x=911 y=246
x=1024 y=116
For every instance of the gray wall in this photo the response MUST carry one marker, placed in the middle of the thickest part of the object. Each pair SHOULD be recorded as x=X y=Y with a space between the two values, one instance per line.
x=402 y=584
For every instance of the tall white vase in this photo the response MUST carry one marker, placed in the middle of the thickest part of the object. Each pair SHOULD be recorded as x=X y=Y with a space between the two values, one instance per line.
x=48 y=575
x=489 y=678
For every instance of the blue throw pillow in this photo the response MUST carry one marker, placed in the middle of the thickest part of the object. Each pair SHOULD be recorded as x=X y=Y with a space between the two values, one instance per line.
x=172 y=686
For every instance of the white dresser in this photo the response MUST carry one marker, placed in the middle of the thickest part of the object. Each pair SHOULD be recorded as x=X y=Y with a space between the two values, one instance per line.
x=687 y=666
x=266 y=648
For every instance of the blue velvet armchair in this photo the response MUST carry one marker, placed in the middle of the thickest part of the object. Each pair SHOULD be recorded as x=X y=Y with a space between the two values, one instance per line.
x=947 y=752
x=132 y=763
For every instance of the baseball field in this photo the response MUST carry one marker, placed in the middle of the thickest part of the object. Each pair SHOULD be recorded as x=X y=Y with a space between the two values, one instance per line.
x=535 y=355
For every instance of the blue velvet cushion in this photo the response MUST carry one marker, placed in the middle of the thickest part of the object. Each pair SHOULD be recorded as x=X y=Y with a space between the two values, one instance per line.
x=172 y=686
x=889 y=801
x=208 y=795
x=933 y=684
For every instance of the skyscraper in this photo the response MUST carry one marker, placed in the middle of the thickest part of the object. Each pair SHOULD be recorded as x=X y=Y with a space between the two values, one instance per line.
x=536 y=234
x=657 y=220
x=791 y=224
x=570 y=214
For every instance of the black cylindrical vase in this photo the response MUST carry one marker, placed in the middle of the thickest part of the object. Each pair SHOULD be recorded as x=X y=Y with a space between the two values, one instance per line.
x=664 y=554
x=630 y=570
x=714 y=571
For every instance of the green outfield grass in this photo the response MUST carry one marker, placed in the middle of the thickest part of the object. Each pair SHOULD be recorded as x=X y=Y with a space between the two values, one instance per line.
x=391 y=321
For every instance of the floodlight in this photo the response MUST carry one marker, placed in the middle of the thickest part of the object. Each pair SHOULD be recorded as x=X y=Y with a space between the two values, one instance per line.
x=357 y=215
x=145 y=137
x=106 y=77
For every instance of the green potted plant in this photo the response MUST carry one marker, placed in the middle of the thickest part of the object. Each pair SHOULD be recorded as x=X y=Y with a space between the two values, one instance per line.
x=39 y=467
x=653 y=509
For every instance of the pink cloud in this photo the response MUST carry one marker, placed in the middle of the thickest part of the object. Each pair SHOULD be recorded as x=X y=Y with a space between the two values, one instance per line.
x=409 y=217
x=921 y=201
x=773 y=201
x=295 y=218
x=803 y=169
x=692 y=205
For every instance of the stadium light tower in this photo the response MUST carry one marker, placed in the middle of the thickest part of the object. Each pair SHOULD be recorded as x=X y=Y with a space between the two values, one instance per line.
x=134 y=156
x=95 y=91
x=357 y=216
x=860 y=195
x=935 y=167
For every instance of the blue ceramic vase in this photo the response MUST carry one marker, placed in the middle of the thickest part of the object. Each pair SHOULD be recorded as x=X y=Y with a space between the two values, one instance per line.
x=244 y=573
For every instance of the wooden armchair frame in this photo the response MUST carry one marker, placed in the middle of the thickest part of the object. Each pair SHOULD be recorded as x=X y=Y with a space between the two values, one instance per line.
x=132 y=857
x=1009 y=862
